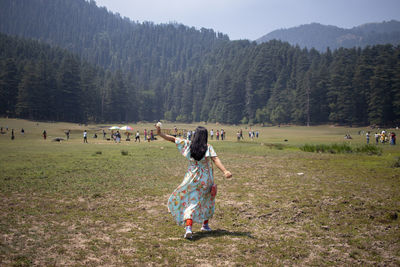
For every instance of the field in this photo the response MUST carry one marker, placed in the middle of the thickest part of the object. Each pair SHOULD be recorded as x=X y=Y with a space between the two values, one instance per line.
x=104 y=204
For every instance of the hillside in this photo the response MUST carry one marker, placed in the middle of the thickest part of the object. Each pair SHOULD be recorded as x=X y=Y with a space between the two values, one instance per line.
x=41 y=82
x=148 y=72
x=147 y=51
x=320 y=36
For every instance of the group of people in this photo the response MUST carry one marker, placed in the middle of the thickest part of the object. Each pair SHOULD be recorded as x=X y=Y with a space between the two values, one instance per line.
x=116 y=136
x=5 y=130
x=383 y=137
x=218 y=134
x=221 y=134
x=148 y=135
x=252 y=134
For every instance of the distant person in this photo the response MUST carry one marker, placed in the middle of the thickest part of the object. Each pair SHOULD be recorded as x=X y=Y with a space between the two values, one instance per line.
x=393 y=139
x=222 y=134
x=117 y=137
x=238 y=135
x=151 y=135
x=44 y=135
x=212 y=134
x=22 y=131
x=194 y=199
x=145 y=134
x=12 y=134
x=377 y=138
x=367 y=135
x=257 y=133
x=85 y=137
x=382 y=137
x=217 y=134
x=104 y=134
x=137 y=137
x=67 y=134
x=241 y=134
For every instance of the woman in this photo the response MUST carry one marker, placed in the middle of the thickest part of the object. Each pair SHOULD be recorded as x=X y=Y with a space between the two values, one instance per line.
x=192 y=201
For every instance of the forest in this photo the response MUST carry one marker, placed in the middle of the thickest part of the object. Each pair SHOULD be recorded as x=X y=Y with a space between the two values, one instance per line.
x=73 y=61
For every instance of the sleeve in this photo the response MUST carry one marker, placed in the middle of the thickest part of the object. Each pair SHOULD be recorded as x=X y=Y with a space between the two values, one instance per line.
x=183 y=146
x=211 y=152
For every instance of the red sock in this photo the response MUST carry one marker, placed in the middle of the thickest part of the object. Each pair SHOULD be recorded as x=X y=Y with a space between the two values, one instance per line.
x=189 y=222
x=205 y=222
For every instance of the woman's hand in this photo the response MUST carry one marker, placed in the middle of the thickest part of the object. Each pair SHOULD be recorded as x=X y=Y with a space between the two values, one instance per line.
x=162 y=135
x=227 y=174
x=220 y=166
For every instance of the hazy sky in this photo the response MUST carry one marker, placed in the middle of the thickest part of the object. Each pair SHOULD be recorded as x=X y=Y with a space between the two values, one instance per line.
x=251 y=19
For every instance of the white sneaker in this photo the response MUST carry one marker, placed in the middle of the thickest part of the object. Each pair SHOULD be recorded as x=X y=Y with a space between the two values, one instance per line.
x=189 y=233
x=205 y=228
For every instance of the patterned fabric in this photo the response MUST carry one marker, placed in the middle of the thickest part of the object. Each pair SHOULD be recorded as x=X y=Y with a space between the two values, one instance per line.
x=192 y=198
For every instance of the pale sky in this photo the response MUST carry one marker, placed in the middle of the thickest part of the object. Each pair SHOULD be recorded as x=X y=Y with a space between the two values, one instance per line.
x=251 y=19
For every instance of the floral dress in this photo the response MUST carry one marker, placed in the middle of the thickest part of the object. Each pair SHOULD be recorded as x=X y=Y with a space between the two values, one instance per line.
x=192 y=198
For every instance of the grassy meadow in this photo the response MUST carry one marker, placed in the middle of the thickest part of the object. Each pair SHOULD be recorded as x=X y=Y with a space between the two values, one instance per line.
x=104 y=204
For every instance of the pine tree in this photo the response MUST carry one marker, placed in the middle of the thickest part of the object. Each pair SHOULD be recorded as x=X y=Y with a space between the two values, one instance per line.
x=396 y=88
x=26 y=106
x=8 y=87
x=69 y=91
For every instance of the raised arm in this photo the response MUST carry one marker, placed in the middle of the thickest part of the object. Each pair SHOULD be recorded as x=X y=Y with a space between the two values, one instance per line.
x=220 y=166
x=165 y=136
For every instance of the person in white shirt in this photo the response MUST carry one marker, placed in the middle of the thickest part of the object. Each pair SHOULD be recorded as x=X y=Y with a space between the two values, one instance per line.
x=85 y=137
x=137 y=137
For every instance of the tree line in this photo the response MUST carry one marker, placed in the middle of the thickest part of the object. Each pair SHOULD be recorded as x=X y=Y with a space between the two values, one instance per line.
x=41 y=82
x=240 y=82
x=278 y=83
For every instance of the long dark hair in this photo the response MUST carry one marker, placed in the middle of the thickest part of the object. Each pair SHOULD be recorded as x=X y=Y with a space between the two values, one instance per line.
x=198 y=147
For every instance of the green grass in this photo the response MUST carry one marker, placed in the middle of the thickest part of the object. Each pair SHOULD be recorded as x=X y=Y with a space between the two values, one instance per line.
x=396 y=163
x=342 y=148
x=102 y=203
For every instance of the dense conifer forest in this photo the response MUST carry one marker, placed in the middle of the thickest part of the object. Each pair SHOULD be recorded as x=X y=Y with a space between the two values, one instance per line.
x=74 y=61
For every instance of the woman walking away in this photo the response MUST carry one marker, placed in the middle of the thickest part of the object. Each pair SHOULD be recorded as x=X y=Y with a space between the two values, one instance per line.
x=194 y=200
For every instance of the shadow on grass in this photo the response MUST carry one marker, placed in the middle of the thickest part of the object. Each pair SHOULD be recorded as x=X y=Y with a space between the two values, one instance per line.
x=218 y=233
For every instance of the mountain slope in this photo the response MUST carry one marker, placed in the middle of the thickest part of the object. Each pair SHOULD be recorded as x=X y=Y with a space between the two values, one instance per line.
x=146 y=50
x=320 y=36
x=178 y=73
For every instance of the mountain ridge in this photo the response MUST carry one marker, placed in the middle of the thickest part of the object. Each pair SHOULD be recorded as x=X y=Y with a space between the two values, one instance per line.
x=319 y=36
